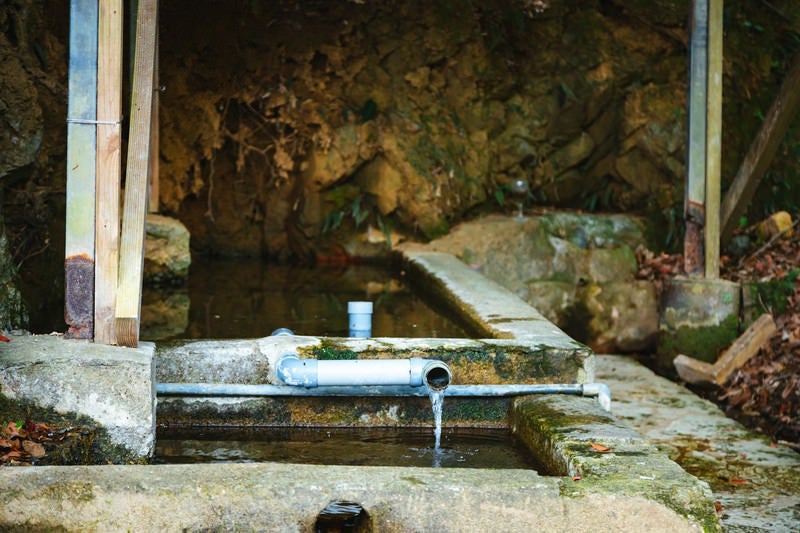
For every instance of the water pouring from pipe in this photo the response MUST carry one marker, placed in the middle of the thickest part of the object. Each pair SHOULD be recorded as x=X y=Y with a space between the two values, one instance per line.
x=414 y=372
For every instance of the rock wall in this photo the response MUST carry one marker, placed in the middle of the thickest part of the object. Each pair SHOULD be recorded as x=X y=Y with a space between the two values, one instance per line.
x=285 y=126
x=33 y=102
x=287 y=119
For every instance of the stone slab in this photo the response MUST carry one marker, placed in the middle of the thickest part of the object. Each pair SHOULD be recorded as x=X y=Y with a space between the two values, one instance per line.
x=283 y=497
x=110 y=385
x=756 y=483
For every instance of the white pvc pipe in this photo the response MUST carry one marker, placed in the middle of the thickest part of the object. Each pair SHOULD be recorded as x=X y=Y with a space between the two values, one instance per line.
x=414 y=372
x=360 y=319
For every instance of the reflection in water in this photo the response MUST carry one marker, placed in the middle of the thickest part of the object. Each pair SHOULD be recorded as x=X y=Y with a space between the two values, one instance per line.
x=249 y=298
x=460 y=447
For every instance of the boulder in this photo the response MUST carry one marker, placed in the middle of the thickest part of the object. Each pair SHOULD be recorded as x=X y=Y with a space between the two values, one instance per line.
x=167 y=256
x=578 y=270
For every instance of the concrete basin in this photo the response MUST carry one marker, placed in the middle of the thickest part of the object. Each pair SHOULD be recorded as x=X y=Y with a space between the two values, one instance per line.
x=605 y=476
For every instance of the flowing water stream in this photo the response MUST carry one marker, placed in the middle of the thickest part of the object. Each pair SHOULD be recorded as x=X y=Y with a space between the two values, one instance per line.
x=437 y=399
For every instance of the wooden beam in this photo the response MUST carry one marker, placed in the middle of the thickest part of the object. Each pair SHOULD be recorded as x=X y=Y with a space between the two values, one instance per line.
x=79 y=262
x=152 y=205
x=109 y=157
x=694 y=205
x=745 y=347
x=713 y=139
x=129 y=291
x=762 y=150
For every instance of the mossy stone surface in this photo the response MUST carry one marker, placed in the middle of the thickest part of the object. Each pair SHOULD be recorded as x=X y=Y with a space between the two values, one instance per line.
x=699 y=318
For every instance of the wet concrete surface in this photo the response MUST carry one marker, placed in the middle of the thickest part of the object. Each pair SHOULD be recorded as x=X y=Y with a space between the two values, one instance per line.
x=755 y=482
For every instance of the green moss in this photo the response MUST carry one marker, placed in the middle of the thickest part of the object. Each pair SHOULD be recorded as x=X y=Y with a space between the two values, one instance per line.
x=70 y=491
x=331 y=351
x=773 y=294
x=703 y=343
x=82 y=441
x=559 y=430
x=476 y=409
x=437 y=229
x=253 y=412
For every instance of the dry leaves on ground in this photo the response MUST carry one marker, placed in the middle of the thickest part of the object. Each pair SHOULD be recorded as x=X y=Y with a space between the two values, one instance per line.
x=765 y=393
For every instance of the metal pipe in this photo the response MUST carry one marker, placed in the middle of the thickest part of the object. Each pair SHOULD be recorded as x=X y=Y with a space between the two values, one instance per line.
x=414 y=372
x=599 y=390
x=695 y=198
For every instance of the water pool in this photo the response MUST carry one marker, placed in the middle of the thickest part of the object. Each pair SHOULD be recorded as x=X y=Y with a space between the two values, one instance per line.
x=242 y=298
x=365 y=446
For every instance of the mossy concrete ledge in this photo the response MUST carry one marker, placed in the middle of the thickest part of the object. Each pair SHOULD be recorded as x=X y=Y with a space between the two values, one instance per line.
x=107 y=387
x=602 y=456
x=278 y=497
x=491 y=309
x=252 y=362
x=631 y=487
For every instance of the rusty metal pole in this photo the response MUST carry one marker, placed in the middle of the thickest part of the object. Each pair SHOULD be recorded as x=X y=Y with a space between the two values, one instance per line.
x=694 y=204
x=79 y=258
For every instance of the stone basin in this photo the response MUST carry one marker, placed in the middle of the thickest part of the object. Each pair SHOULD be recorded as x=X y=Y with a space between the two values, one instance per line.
x=605 y=475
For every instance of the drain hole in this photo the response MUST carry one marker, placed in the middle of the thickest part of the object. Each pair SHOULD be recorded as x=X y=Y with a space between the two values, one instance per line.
x=343 y=516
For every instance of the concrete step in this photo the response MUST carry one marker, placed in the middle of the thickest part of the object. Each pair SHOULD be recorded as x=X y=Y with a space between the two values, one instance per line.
x=756 y=482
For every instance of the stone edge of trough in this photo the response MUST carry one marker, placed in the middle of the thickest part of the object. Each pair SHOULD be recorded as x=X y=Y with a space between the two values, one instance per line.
x=491 y=309
x=120 y=497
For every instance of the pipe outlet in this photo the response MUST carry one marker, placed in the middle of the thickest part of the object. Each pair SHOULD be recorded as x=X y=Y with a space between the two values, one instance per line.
x=602 y=392
x=414 y=372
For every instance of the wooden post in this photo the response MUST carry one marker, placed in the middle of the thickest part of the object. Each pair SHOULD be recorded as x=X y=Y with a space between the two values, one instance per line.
x=152 y=205
x=713 y=139
x=762 y=150
x=109 y=112
x=694 y=204
x=79 y=262
x=129 y=292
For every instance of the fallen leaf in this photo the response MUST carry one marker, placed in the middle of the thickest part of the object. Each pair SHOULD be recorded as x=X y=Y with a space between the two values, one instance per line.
x=718 y=506
x=14 y=454
x=34 y=448
x=738 y=480
x=599 y=447
x=13 y=430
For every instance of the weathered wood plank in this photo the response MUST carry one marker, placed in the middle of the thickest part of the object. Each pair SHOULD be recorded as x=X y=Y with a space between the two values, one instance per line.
x=109 y=158
x=762 y=150
x=129 y=291
x=713 y=139
x=743 y=348
x=693 y=371
x=152 y=205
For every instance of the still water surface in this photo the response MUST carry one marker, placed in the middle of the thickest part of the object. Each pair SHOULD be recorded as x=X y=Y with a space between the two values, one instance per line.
x=460 y=447
x=248 y=298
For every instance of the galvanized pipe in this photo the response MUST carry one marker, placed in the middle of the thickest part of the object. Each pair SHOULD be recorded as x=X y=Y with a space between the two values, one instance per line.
x=599 y=390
